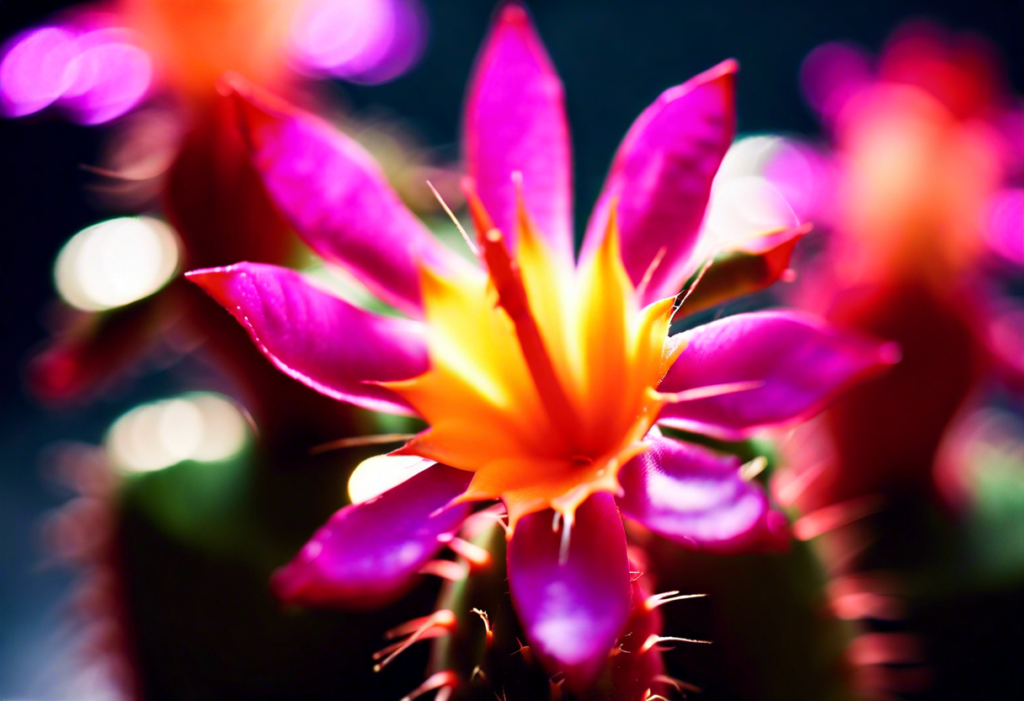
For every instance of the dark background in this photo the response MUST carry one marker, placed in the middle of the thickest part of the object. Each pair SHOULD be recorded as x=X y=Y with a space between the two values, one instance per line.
x=615 y=57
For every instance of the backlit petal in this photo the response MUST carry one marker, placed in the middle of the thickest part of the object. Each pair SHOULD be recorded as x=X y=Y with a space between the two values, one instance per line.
x=368 y=554
x=515 y=121
x=696 y=497
x=797 y=365
x=661 y=178
x=339 y=201
x=573 y=611
x=320 y=340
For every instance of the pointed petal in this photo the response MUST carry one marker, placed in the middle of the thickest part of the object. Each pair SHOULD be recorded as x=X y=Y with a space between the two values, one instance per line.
x=320 y=340
x=661 y=178
x=750 y=266
x=574 y=611
x=368 y=554
x=338 y=200
x=799 y=362
x=696 y=497
x=515 y=121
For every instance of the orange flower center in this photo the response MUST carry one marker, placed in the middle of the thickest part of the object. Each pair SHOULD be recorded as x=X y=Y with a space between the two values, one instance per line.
x=542 y=378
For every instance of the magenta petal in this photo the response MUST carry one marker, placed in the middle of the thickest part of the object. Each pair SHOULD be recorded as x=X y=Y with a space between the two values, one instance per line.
x=320 y=340
x=573 y=611
x=661 y=178
x=515 y=121
x=336 y=197
x=696 y=497
x=368 y=554
x=800 y=362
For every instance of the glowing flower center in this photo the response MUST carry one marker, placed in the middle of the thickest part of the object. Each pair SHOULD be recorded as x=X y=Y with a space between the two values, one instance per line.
x=542 y=376
x=915 y=186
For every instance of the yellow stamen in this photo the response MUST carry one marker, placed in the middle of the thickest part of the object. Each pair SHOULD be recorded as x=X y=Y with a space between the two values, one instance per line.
x=542 y=380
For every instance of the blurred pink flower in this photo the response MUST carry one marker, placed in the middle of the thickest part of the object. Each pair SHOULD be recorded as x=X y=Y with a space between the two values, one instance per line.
x=98 y=62
x=921 y=195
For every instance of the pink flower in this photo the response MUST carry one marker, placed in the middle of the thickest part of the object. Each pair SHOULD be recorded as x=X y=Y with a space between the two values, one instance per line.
x=921 y=194
x=542 y=377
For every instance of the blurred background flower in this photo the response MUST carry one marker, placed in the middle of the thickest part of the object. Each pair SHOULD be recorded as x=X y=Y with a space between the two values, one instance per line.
x=918 y=195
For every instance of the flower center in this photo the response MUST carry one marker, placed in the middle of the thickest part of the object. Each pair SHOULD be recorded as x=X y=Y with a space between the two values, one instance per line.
x=542 y=375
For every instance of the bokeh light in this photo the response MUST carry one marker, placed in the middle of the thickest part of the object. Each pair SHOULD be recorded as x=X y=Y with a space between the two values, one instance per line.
x=96 y=75
x=97 y=66
x=367 y=41
x=1005 y=230
x=116 y=262
x=111 y=76
x=33 y=71
x=374 y=476
x=202 y=427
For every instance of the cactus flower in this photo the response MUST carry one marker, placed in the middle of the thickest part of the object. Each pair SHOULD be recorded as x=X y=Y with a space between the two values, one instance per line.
x=922 y=202
x=543 y=377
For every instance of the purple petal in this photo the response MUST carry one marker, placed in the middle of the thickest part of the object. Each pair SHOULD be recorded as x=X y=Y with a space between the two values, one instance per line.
x=338 y=200
x=320 y=340
x=696 y=497
x=368 y=554
x=802 y=362
x=573 y=611
x=661 y=178
x=515 y=121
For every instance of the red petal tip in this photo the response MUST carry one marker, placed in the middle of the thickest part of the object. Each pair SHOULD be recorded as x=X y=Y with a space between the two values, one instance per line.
x=514 y=13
